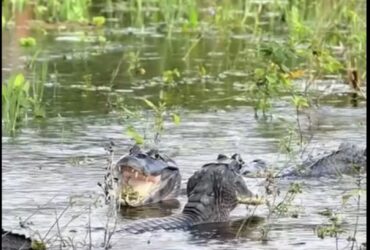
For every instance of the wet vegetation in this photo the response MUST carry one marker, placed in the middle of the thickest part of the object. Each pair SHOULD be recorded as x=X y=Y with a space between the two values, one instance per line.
x=150 y=61
x=280 y=44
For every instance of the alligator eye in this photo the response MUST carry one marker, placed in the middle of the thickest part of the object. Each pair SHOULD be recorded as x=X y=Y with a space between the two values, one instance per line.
x=156 y=156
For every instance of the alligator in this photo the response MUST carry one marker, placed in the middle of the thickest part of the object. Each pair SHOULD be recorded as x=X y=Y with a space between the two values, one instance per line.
x=213 y=192
x=348 y=159
x=144 y=178
x=13 y=241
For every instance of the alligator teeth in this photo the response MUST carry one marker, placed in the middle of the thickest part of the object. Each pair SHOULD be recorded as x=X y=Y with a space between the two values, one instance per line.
x=136 y=174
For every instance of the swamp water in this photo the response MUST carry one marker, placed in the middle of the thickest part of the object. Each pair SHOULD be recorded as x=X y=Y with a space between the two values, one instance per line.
x=53 y=165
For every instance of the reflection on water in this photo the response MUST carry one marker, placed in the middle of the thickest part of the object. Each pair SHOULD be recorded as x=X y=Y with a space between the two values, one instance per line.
x=248 y=228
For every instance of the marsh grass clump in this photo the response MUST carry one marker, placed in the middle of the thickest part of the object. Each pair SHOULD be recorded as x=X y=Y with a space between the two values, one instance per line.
x=21 y=97
x=15 y=102
x=37 y=91
x=62 y=10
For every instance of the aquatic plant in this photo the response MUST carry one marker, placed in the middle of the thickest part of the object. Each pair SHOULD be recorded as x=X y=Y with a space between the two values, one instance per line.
x=37 y=93
x=134 y=64
x=15 y=102
x=278 y=209
x=98 y=21
x=21 y=97
x=27 y=42
x=169 y=76
x=53 y=10
x=335 y=228
x=66 y=10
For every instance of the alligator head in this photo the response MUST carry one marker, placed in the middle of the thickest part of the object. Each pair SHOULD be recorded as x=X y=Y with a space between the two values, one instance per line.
x=214 y=191
x=146 y=178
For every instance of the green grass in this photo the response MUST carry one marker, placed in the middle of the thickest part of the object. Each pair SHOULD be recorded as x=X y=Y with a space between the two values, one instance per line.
x=21 y=97
x=15 y=94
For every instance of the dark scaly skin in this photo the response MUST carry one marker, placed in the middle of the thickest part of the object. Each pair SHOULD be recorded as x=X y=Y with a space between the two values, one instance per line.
x=212 y=192
x=348 y=159
x=13 y=241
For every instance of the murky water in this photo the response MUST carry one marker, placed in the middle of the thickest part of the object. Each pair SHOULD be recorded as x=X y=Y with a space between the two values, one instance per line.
x=53 y=165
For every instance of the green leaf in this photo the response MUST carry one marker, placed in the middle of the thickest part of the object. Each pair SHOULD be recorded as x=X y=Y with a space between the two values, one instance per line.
x=176 y=72
x=27 y=42
x=259 y=73
x=202 y=70
x=131 y=131
x=176 y=119
x=98 y=21
x=19 y=81
x=300 y=101
x=271 y=78
x=150 y=104
x=193 y=17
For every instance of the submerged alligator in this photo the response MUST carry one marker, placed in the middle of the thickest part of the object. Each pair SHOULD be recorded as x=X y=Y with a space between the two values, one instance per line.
x=144 y=178
x=348 y=159
x=213 y=192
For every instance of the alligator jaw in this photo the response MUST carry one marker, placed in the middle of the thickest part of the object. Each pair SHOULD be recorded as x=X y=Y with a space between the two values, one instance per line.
x=137 y=186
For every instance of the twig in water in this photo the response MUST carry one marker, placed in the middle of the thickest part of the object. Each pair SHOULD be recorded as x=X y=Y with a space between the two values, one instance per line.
x=244 y=222
x=90 y=240
x=60 y=215
x=59 y=233
x=358 y=183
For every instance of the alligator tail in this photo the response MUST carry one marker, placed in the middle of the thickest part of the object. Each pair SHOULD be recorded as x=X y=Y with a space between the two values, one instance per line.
x=180 y=221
